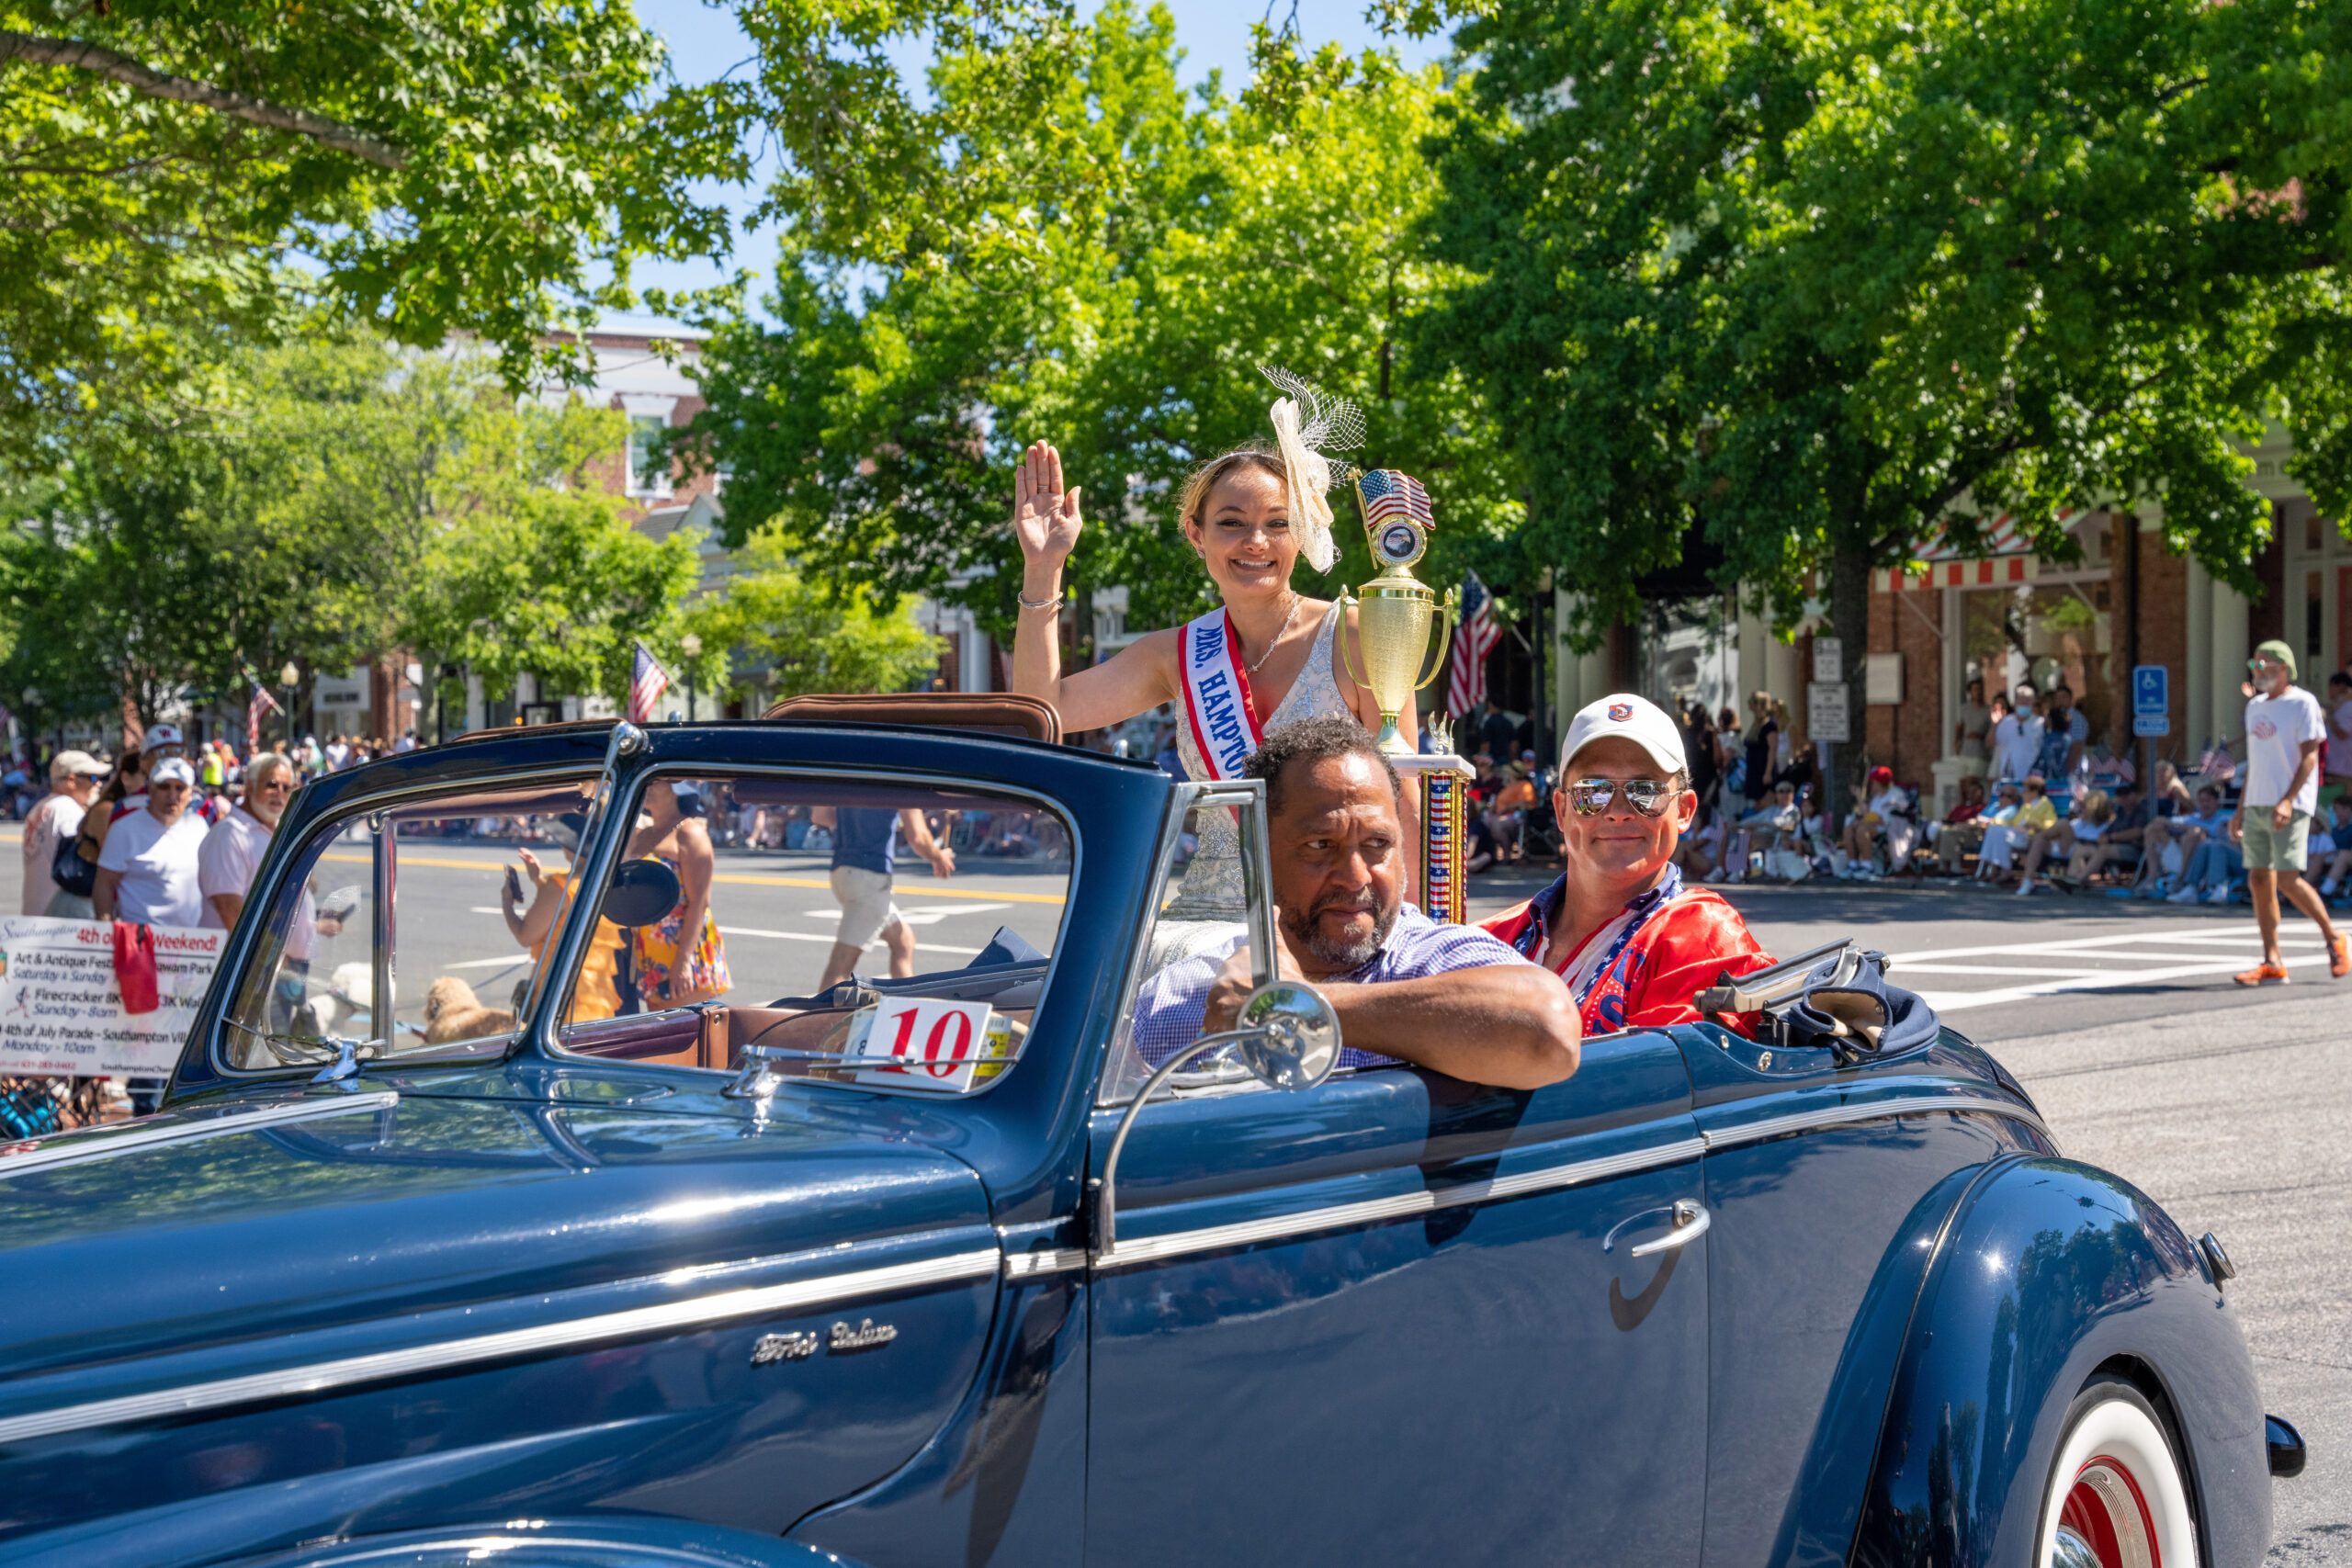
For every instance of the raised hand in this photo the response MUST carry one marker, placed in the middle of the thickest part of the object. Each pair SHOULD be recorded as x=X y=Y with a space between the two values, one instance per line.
x=1045 y=517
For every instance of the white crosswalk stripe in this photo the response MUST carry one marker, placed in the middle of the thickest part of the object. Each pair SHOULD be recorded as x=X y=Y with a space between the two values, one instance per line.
x=2098 y=963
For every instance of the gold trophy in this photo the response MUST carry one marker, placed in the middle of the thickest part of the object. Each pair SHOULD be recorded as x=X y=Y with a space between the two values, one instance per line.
x=1393 y=616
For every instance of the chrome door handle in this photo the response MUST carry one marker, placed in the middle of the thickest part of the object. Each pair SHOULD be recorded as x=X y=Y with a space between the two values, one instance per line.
x=1691 y=1222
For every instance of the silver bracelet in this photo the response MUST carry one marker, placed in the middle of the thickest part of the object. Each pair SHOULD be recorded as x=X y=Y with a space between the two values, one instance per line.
x=1055 y=602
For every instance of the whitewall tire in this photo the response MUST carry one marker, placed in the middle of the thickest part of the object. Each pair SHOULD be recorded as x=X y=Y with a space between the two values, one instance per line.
x=2118 y=1494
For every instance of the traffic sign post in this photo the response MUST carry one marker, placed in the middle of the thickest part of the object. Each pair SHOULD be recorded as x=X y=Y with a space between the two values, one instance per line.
x=2151 y=719
x=2151 y=700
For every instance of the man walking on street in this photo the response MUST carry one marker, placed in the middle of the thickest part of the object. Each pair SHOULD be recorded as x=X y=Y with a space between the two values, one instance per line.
x=2284 y=732
x=866 y=852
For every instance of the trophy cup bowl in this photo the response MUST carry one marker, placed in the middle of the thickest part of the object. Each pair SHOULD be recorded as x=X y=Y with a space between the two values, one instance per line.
x=1393 y=616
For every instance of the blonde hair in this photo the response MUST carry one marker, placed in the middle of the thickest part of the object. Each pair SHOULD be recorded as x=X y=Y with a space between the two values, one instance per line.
x=1260 y=455
x=2097 y=807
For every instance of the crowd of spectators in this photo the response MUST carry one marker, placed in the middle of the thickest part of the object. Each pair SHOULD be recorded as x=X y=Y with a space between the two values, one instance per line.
x=2057 y=808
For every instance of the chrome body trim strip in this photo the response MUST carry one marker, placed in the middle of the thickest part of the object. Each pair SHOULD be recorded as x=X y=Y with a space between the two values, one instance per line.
x=1868 y=1110
x=1372 y=1211
x=37 y=1156
x=1037 y=1264
x=667 y=1317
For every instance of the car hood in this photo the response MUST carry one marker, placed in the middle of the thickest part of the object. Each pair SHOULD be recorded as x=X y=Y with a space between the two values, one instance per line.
x=232 y=1222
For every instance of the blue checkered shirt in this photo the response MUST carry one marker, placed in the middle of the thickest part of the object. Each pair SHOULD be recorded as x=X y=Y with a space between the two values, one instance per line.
x=1167 y=1013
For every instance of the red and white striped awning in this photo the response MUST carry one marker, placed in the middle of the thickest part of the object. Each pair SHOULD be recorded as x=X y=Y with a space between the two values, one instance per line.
x=2005 y=556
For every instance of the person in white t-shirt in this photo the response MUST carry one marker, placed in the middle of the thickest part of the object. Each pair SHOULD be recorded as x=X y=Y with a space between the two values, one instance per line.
x=2284 y=732
x=2016 y=740
x=147 y=873
x=73 y=781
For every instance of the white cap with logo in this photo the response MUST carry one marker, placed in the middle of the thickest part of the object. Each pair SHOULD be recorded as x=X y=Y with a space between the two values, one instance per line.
x=161 y=734
x=172 y=768
x=1623 y=715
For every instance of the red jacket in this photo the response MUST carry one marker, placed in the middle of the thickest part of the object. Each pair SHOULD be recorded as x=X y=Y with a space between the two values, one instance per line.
x=1681 y=944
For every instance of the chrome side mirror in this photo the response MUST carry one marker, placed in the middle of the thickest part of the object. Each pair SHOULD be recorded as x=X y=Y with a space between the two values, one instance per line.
x=1289 y=1036
x=1289 y=1039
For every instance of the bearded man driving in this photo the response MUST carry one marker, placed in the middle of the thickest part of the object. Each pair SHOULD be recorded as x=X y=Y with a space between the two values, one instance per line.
x=1633 y=943
x=1407 y=989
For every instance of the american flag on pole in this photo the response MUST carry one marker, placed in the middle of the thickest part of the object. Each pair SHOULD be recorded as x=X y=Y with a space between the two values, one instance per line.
x=1386 y=493
x=259 y=704
x=647 y=682
x=1474 y=637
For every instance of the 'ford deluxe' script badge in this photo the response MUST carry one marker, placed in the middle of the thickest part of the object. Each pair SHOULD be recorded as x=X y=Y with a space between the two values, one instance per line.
x=864 y=1337
x=795 y=1345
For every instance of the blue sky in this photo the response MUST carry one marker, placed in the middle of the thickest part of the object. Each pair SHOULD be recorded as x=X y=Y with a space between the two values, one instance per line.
x=705 y=43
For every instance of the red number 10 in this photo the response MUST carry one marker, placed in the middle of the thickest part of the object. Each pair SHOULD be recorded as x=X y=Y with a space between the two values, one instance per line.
x=939 y=1069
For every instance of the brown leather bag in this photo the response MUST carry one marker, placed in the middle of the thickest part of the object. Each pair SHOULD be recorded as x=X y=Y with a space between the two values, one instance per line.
x=990 y=713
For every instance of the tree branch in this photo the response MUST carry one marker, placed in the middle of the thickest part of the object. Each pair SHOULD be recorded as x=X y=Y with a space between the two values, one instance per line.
x=101 y=61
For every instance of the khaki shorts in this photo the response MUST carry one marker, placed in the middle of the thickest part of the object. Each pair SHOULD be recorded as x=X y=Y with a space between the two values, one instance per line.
x=2270 y=848
x=867 y=909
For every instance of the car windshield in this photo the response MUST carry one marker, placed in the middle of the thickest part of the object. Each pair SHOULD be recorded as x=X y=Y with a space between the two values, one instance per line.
x=841 y=926
x=398 y=930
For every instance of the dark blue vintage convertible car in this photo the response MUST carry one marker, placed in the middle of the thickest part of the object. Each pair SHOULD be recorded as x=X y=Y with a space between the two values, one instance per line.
x=500 y=1228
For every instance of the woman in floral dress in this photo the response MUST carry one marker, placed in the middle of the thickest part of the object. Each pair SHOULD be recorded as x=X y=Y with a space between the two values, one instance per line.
x=673 y=969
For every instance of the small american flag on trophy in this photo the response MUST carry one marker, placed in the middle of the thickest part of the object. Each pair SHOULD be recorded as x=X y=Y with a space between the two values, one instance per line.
x=1388 y=494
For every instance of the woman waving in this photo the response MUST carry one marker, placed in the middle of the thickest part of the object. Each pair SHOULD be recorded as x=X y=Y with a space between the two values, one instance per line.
x=1264 y=658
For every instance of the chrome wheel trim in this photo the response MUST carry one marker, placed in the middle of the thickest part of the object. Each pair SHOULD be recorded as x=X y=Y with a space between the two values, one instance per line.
x=2071 y=1551
x=2117 y=1495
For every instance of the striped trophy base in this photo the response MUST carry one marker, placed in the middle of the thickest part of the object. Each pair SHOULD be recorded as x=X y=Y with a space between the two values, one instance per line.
x=1441 y=792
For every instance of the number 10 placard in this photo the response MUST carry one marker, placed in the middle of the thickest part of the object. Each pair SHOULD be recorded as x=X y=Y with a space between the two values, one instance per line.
x=943 y=1044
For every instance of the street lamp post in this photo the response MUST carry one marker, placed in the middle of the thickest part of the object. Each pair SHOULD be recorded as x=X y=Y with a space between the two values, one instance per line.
x=691 y=644
x=288 y=679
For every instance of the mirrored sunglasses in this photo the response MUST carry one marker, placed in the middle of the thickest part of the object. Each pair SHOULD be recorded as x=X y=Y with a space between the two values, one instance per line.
x=1590 y=798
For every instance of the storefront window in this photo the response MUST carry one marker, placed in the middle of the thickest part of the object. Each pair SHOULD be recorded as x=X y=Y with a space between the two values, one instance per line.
x=2047 y=633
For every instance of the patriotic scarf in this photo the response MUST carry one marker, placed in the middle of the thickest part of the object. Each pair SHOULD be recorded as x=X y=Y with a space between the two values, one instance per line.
x=1598 y=966
x=1216 y=695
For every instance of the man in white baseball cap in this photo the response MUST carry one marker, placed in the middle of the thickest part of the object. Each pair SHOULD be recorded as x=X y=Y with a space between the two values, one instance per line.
x=1631 y=941
x=147 y=873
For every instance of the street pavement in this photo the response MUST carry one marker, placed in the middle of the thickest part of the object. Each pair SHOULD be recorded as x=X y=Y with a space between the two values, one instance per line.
x=2227 y=1106
x=2224 y=1105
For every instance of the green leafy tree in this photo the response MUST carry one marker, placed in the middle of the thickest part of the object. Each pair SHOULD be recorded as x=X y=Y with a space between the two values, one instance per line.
x=1152 y=250
x=348 y=502
x=790 y=634
x=443 y=164
x=1818 y=281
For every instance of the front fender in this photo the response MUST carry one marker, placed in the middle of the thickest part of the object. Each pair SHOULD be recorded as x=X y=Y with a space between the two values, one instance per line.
x=619 y=1542
x=2051 y=1270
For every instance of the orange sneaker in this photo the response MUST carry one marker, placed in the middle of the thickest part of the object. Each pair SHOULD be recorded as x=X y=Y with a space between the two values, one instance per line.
x=2263 y=975
x=2339 y=956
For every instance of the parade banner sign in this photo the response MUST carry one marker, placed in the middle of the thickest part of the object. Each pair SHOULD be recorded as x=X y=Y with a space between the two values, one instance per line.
x=60 y=1007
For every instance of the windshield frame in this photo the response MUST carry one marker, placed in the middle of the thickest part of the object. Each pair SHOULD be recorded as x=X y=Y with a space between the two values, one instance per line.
x=542 y=1025
x=262 y=900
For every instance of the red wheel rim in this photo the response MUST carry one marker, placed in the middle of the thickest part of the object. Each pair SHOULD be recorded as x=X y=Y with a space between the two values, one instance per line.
x=2107 y=1510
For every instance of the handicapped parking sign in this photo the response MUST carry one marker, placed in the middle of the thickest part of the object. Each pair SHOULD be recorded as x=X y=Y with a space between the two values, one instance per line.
x=2150 y=699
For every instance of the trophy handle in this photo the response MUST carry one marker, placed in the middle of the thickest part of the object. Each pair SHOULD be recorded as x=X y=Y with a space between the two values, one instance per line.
x=1445 y=640
x=1339 y=636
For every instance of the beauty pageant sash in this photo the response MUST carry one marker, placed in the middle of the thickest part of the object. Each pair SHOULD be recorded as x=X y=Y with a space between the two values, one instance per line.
x=1216 y=695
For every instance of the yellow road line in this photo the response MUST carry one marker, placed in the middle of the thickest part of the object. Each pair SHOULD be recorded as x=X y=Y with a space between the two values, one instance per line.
x=929 y=888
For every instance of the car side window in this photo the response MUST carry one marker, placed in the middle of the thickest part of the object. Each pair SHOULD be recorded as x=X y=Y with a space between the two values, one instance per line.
x=858 y=917
x=1199 y=918
x=411 y=929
